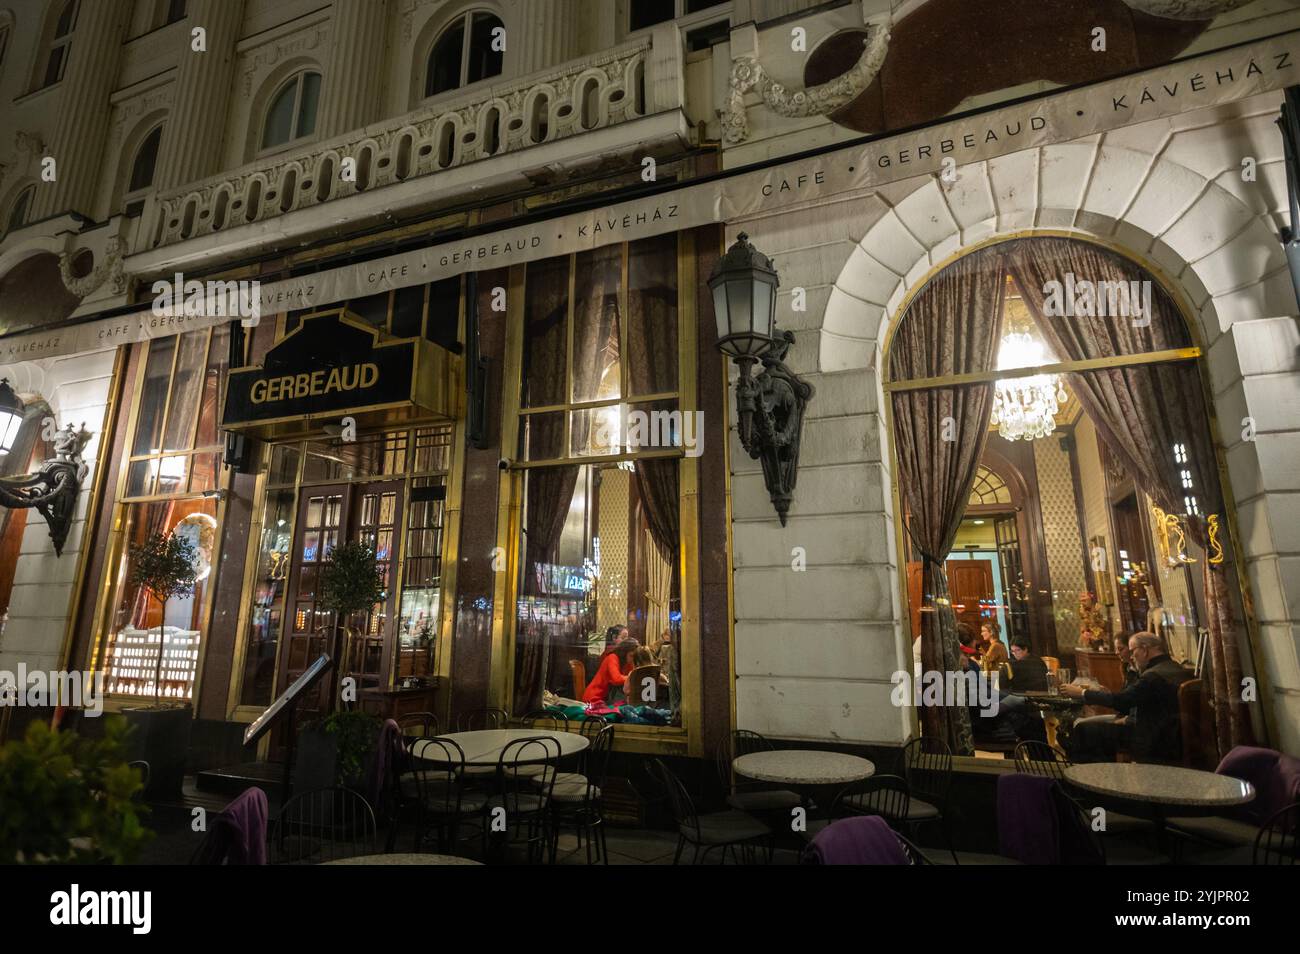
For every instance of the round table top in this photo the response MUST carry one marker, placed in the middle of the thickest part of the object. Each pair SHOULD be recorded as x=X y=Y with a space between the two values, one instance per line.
x=404 y=859
x=1163 y=784
x=484 y=746
x=803 y=767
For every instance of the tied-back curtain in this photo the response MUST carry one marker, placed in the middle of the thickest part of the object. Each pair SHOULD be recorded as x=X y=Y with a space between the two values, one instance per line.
x=953 y=327
x=1152 y=417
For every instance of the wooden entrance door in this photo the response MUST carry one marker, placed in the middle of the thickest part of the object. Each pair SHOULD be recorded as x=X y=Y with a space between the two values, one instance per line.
x=329 y=515
x=970 y=587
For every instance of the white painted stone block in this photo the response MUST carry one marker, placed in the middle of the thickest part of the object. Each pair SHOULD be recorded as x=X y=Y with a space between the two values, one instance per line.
x=1014 y=180
x=1255 y=255
x=848 y=488
x=868 y=279
x=839 y=540
x=815 y=709
x=925 y=214
x=893 y=245
x=835 y=592
x=816 y=649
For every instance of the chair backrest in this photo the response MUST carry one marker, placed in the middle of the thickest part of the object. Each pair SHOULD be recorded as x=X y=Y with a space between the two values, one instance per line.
x=1275 y=776
x=743 y=742
x=237 y=835
x=579 y=673
x=1278 y=841
x=596 y=762
x=1038 y=758
x=545 y=719
x=476 y=719
x=864 y=840
x=437 y=764
x=1192 y=723
x=644 y=682
x=927 y=766
x=679 y=800
x=590 y=728
x=520 y=789
x=425 y=724
x=324 y=825
x=1053 y=664
x=885 y=795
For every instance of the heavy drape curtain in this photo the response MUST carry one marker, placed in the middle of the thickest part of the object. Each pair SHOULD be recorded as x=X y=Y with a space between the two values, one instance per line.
x=1141 y=413
x=952 y=327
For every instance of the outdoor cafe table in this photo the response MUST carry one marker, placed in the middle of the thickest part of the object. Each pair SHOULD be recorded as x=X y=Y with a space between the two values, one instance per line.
x=1162 y=787
x=404 y=859
x=484 y=746
x=805 y=771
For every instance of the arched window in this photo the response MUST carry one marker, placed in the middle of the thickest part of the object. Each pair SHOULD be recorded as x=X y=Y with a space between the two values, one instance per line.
x=4 y=44
x=470 y=49
x=146 y=158
x=988 y=489
x=56 y=58
x=292 y=114
x=20 y=210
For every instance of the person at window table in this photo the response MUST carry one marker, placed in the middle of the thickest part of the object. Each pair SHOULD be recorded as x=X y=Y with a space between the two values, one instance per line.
x=1126 y=660
x=966 y=640
x=994 y=650
x=1149 y=724
x=612 y=672
x=1028 y=672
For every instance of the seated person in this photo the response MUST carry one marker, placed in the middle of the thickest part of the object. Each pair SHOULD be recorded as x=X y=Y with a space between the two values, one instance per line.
x=967 y=639
x=1150 y=727
x=994 y=651
x=1028 y=672
x=611 y=673
x=644 y=666
x=1126 y=659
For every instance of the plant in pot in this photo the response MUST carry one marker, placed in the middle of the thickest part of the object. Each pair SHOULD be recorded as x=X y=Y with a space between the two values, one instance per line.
x=164 y=565
x=69 y=799
x=350 y=582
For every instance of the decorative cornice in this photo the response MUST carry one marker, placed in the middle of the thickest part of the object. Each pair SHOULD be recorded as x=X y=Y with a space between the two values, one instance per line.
x=109 y=268
x=1186 y=9
x=747 y=73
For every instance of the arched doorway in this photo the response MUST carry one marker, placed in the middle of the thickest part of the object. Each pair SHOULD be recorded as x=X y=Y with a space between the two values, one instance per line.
x=1068 y=365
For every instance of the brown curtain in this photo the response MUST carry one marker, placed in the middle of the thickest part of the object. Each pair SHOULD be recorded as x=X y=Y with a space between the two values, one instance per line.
x=1141 y=413
x=953 y=327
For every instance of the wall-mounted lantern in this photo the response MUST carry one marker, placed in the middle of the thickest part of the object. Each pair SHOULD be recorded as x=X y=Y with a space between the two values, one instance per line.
x=52 y=490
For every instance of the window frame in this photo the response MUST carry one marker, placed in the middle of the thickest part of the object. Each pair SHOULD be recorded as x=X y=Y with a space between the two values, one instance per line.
x=130 y=195
x=297 y=79
x=61 y=42
x=23 y=200
x=466 y=20
x=688 y=738
x=686 y=21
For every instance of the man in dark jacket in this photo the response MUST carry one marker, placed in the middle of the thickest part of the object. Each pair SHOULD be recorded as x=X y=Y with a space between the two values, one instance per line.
x=1149 y=727
x=1028 y=672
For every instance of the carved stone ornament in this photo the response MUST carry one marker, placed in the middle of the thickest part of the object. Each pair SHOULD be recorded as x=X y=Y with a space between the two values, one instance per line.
x=747 y=73
x=770 y=407
x=52 y=490
x=1186 y=9
x=109 y=268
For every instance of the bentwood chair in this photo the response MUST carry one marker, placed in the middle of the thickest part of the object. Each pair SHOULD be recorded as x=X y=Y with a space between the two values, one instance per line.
x=926 y=763
x=1278 y=842
x=324 y=825
x=754 y=797
x=425 y=724
x=543 y=720
x=474 y=720
x=440 y=798
x=520 y=811
x=1039 y=758
x=724 y=831
x=577 y=800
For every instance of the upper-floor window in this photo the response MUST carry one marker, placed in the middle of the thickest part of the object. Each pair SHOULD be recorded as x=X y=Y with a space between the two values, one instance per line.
x=21 y=208
x=142 y=171
x=4 y=45
x=646 y=13
x=56 y=59
x=292 y=114
x=175 y=11
x=470 y=49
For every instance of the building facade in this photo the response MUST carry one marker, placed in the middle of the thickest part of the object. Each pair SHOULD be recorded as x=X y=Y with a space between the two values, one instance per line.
x=478 y=238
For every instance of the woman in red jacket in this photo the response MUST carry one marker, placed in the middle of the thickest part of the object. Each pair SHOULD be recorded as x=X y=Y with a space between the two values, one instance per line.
x=615 y=664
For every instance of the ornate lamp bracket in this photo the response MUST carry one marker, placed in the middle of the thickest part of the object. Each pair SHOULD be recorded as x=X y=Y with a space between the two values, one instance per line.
x=770 y=406
x=52 y=490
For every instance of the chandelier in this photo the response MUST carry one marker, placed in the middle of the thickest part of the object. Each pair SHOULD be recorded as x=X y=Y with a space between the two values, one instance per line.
x=1025 y=408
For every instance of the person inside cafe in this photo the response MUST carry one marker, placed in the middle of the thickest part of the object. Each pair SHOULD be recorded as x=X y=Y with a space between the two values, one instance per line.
x=993 y=652
x=611 y=674
x=967 y=640
x=644 y=666
x=1148 y=726
x=1028 y=672
x=1126 y=660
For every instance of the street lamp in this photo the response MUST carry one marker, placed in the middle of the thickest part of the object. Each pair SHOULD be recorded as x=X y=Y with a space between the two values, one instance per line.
x=770 y=405
x=11 y=416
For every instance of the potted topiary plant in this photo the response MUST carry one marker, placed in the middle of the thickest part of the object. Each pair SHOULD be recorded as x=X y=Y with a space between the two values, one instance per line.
x=69 y=799
x=350 y=582
x=163 y=566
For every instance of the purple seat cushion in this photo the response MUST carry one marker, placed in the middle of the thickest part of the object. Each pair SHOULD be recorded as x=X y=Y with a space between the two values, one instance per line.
x=1276 y=778
x=244 y=828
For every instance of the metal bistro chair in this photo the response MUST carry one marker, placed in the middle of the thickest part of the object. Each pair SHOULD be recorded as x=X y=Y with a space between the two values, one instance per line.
x=887 y=796
x=521 y=808
x=717 y=830
x=539 y=719
x=477 y=720
x=441 y=801
x=1278 y=841
x=426 y=724
x=1039 y=758
x=755 y=797
x=324 y=825
x=926 y=763
x=577 y=800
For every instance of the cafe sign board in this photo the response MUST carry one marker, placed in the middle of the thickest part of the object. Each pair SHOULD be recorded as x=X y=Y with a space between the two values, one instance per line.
x=333 y=366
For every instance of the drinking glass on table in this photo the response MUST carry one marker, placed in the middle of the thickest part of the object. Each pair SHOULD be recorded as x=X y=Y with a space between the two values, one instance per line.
x=1064 y=677
x=1053 y=683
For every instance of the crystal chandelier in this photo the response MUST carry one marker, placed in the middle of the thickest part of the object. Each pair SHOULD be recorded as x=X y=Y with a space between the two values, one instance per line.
x=1025 y=407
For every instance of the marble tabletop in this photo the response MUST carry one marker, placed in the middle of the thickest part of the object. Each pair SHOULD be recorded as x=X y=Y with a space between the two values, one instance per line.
x=484 y=746
x=1162 y=784
x=803 y=767
x=404 y=859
